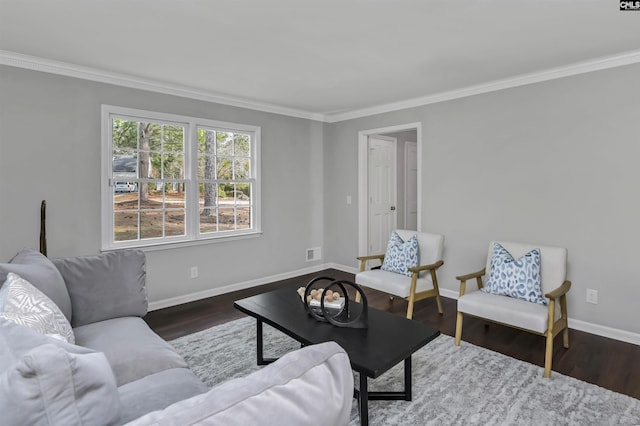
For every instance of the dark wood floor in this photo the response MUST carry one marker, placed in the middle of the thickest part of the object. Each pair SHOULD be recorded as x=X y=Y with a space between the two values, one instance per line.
x=605 y=362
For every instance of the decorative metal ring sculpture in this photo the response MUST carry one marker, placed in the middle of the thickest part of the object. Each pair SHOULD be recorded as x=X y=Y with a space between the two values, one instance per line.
x=343 y=317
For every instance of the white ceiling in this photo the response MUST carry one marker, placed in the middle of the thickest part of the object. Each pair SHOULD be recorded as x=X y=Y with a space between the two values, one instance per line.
x=324 y=57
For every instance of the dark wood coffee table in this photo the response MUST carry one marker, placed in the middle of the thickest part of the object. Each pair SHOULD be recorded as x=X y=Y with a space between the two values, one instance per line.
x=389 y=339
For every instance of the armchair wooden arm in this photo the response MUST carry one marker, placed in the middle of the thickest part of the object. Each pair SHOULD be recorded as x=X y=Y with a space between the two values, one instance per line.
x=371 y=257
x=471 y=275
x=477 y=275
x=421 y=268
x=363 y=260
x=560 y=291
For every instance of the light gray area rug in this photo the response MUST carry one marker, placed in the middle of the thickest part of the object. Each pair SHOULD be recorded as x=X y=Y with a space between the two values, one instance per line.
x=468 y=385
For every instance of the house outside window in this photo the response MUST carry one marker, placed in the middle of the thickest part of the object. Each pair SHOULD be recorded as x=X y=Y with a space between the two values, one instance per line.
x=175 y=179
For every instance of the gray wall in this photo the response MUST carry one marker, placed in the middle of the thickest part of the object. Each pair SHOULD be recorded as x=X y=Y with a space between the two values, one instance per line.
x=550 y=163
x=553 y=163
x=50 y=149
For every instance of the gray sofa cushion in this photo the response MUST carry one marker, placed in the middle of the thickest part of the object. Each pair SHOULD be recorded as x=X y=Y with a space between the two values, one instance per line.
x=39 y=271
x=282 y=393
x=50 y=386
x=105 y=286
x=158 y=391
x=132 y=348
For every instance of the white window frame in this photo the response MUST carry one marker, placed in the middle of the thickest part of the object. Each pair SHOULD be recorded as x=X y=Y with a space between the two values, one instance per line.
x=192 y=230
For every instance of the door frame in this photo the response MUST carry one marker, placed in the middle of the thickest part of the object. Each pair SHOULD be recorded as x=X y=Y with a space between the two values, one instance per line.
x=363 y=172
x=406 y=170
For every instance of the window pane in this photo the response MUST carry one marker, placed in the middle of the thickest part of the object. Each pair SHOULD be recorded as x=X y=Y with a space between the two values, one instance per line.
x=208 y=220
x=125 y=200
x=226 y=193
x=244 y=218
x=226 y=219
x=224 y=168
x=174 y=223
x=125 y=226
x=124 y=135
x=243 y=193
x=155 y=169
x=144 y=164
x=175 y=196
x=150 y=136
x=173 y=166
x=208 y=194
x=124 y=167
x=242 y=145
x=224 y=143
x=155 y=197
x=173 y=139
x=151 y=224
x=206 y=142
x=241 y=168
x=206 y=167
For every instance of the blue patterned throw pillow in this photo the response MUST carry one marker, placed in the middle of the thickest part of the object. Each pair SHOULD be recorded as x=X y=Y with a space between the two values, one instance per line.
x=401 y=255
x=515 y=278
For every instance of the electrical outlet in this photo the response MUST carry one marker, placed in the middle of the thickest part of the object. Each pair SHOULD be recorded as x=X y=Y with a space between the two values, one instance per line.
x=194 y=272
x=313 y=254
x=592 y=296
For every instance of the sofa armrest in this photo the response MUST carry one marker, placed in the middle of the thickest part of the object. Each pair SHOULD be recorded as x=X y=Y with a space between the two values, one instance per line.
x=105 y=286
x=312 y=385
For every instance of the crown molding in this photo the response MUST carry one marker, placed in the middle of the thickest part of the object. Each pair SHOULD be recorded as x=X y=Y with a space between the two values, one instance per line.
x=93 y=74
x=626 y=58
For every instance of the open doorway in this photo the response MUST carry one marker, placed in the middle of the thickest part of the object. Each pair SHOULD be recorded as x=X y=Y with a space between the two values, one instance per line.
x=405 y=196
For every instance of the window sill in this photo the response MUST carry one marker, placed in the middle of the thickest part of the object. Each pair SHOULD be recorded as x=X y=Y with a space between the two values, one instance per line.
x=180 y=244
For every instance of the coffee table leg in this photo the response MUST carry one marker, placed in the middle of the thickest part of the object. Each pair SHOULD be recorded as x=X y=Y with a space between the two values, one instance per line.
x=407 y=379
x=363 y=400
x=260 y=346
x=259 y=343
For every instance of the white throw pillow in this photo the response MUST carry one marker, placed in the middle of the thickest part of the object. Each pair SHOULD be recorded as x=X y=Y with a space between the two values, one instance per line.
x=22 y=303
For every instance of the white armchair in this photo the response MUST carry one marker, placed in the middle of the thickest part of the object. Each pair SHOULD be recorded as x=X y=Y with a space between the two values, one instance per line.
x=423 y=281
x=545 y=320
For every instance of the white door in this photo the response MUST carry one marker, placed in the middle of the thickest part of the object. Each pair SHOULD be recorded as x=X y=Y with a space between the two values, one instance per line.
x=381 y=191
x=411 y=186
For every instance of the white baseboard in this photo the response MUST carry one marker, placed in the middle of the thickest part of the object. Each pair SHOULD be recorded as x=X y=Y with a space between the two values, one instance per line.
x=192 y=297
x=597 y=329
x=604 y=331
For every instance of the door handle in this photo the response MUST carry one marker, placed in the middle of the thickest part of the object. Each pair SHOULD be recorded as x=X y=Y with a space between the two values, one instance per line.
x=393 y=208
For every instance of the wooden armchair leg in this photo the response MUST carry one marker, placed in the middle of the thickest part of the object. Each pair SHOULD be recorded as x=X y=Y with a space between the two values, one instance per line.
x=439 y=303
x=565 y=332
x=458 y=328
x=548 y=355
x=434 y=279
x=410 y=308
